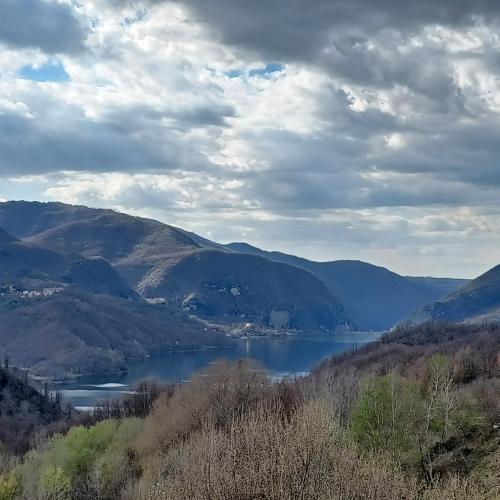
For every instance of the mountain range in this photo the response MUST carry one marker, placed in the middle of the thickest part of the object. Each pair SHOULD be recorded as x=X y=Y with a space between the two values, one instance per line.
x=162 y=262
x=64 y=315
x=374 y=297
x=85 y=289
x=476 y=302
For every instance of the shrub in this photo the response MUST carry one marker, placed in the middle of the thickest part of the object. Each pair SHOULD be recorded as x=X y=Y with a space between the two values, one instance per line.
x=9 y=486
x=87 y=463
x=55 y=484
x=262 y=456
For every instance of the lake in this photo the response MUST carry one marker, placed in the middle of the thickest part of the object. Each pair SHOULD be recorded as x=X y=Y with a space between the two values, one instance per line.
x=295 y=354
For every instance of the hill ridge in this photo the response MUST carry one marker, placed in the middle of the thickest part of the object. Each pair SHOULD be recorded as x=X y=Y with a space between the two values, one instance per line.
x=477 y=301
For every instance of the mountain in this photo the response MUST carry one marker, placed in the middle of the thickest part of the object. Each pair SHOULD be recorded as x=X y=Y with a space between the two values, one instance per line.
x=374 y=297
x=136 y=247
x=188 y=271
x=26 y=266
x=63 y=315
x=23 y=219
x=444 y=285
x=240 y=287
x=74 y=332
x=477 y=301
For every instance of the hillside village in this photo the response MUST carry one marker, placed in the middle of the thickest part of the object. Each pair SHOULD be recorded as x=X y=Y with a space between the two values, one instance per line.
x=13 y=291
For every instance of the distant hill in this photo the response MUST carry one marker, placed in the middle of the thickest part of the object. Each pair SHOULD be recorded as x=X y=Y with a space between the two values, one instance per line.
x=161 y=261
x=374 y=297
x=240 y=287
x=75 y=332
x=444 y=285
x=477 y=301
x=26 y=266
x=63 y=315
x=27 y=218
x=136 y=247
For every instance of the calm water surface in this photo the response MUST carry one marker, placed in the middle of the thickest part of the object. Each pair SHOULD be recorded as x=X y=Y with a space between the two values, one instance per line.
x=279 y=356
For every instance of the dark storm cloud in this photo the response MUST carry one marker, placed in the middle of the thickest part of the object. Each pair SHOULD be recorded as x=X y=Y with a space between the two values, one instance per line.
x=449 y=142
x=300 y=29
x=50 y=26
x=139 y=117
x=357 y=41
x=29 y=146
x=467 y=153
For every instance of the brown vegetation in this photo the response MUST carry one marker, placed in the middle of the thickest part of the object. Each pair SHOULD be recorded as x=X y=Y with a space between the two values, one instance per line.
x=411 y=417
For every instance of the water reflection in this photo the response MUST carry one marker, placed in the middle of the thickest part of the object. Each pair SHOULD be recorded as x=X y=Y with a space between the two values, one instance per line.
x=280 y=357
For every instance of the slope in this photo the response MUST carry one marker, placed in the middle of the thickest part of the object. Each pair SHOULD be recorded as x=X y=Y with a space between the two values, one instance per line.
x=374 y=297
x=158 y=260
x=445 y=286
x=73 y=333
x=245 y=288
x=477 y=301
x=25 y=266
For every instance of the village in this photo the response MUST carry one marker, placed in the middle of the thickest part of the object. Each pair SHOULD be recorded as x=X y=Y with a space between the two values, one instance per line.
x=14 y=291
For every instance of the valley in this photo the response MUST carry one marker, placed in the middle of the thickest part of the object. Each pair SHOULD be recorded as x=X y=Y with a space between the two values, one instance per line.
x=89 y=290
x=145 y=340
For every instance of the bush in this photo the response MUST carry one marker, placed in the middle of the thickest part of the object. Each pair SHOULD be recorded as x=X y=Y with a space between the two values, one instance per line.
x=9 y=487
x=55 y=484
x=262 y=456
x=87 y=463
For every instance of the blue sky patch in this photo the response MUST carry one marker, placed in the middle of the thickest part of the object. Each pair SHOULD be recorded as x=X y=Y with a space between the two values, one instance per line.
x=234 y=73
x=49 y=72
x=263 y=72
x=268 y=69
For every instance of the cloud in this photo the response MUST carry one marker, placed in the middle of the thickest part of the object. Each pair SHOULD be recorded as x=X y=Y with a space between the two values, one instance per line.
x=345 y=130
x=284 y=29
x=35 y=146
x=48 y=25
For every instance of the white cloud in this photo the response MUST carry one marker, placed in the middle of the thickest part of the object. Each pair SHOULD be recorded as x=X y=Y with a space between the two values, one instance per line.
x=368 y=143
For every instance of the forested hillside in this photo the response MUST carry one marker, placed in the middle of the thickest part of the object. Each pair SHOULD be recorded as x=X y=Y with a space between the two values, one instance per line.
x=26 y=416
x=478 y=301
x=202 y=278
x=374 y=297
x=413 y=416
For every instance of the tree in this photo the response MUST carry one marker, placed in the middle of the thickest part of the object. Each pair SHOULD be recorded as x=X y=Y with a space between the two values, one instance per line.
x=387 y=415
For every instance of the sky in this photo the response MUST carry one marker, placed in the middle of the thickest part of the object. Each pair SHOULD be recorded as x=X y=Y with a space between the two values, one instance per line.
x=330 y=129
